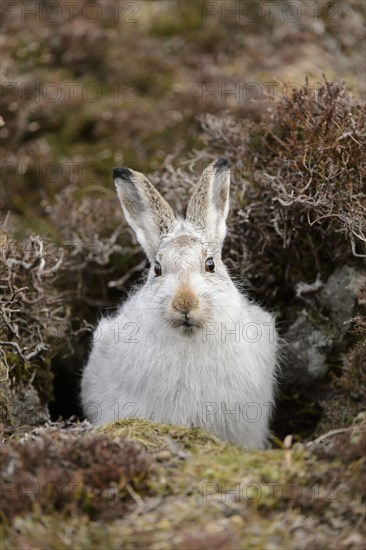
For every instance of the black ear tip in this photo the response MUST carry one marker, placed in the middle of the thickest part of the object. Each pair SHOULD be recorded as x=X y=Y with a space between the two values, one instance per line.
x=221 y=163
x=122 y=173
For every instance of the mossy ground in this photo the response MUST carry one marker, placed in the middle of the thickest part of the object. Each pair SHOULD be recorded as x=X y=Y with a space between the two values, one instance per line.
x=186 y=490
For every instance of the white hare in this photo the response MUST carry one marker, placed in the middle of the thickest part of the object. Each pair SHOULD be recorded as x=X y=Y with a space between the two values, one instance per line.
x=187 y=348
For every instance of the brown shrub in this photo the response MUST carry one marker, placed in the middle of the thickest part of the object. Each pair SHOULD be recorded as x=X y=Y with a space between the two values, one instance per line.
x=300 y=187
x=90 y=474
x=97 y=247
x=33 y=315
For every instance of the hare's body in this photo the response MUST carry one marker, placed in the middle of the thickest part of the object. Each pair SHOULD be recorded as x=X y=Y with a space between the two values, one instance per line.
x=187 y=348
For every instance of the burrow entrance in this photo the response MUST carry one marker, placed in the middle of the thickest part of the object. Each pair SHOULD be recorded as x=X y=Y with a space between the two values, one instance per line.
x=297 y=408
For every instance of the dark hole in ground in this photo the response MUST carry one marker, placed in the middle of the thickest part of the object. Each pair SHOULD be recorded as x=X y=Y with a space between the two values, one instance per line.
x=66 y=388
x=67 y=370
x=297 y=409
x=297 y=412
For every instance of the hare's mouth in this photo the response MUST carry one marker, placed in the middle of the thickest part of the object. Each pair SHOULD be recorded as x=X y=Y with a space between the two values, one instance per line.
x=188 y=325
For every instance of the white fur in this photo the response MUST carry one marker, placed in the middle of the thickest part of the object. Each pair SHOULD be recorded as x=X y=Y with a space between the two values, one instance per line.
x=142 y=365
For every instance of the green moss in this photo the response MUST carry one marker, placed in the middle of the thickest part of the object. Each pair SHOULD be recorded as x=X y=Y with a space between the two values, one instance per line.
x=156 y=436
x=224 y=465
x=202 y=488
x=185 y=17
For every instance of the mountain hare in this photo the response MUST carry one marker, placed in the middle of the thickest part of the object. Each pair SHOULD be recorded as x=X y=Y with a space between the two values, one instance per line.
x=187 y=348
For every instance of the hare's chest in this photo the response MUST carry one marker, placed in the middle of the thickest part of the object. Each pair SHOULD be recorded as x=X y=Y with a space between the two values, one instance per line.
x=187 y=383
x=191 y=369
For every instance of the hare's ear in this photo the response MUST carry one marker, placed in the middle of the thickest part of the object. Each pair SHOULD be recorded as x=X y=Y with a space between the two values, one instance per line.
x=209 y=205
x=149 y=215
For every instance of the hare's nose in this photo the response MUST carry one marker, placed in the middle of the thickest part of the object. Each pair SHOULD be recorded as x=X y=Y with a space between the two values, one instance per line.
x=185 y=300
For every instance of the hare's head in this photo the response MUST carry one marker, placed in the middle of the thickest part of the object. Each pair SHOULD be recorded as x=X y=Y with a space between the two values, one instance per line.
x=186 y=272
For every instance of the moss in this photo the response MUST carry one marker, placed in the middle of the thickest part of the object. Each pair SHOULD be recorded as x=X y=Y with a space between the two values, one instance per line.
x=225 y=466
x=156 y=436
x=183 y=19
x=193 y=489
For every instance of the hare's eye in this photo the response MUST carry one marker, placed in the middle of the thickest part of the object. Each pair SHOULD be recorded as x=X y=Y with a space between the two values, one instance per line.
x=210 y=265
x=157 y=269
